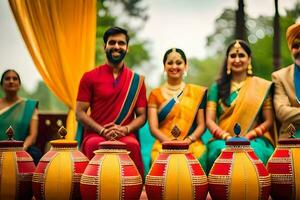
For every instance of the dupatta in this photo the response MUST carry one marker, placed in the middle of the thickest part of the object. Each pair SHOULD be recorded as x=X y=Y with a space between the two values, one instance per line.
x=179 y=114
x=246 y=107
x=18 y=116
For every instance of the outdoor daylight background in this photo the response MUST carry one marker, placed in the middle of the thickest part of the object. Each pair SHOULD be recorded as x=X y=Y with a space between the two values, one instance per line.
x=201 y=28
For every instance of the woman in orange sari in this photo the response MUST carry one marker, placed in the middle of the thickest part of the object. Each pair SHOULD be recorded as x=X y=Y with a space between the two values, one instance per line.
x=177 y=108
x=238 y=97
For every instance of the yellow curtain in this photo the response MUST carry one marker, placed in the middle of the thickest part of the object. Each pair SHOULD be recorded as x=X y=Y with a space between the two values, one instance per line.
x=60 y=36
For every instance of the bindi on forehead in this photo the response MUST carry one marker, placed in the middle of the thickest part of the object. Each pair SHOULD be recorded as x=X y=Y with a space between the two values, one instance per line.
x=174 y=55
x=237 y=46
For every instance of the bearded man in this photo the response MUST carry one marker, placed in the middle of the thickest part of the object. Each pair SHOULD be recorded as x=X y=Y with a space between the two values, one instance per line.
x=287 y=87
x=116 y=97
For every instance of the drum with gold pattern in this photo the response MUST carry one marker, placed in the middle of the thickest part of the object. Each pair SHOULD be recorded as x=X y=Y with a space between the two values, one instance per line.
x=58 y=173
x=284 y=167
x=111 y=174
x=238 y=173
x=176 y=174
x=16 y=169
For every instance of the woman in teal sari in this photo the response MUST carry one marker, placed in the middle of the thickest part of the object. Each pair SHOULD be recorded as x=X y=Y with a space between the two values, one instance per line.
x=19 y=113
x=238 y=97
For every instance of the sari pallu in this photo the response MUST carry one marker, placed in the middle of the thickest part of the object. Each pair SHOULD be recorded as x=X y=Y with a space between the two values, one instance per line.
x=18 y=116
x=245 y=108
x=179 y=113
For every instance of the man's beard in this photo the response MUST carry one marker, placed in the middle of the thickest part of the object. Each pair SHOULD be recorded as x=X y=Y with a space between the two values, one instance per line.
x=115 y=60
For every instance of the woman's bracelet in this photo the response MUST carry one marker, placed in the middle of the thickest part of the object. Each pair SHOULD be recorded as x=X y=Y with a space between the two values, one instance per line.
x=225 y=135
x=192 y=138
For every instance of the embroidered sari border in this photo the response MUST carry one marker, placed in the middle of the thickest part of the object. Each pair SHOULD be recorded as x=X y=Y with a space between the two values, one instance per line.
x=167 y=108
x=130 y=99
x=240 y=106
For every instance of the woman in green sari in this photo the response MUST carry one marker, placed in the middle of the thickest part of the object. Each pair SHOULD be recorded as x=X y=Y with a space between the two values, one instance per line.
x=19 y=113
x=238 y=97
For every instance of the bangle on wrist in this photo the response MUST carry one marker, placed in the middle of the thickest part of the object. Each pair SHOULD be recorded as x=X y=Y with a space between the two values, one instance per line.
x=192 y=138
x=225 y=136
x=101 y=131
x=127 y=128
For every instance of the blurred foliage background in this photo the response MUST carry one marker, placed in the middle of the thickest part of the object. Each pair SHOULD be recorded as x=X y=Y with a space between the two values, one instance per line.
x=259 y=33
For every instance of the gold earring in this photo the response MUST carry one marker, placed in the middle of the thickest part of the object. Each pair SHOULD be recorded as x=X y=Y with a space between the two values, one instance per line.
x=249 y=70
x=228 y=70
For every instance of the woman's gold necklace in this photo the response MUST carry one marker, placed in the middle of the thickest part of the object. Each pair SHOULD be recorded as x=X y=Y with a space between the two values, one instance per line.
x=172 y=91
x=236 y=86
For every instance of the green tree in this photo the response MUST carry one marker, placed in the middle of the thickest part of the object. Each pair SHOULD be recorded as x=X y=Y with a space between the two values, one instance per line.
x=47 y=100
x=204 y=72
x=240 y=22
x=276 y=38
x=224 y=29
x=260 y=36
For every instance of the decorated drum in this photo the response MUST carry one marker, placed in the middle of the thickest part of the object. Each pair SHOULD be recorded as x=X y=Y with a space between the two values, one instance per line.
x=16 y=169
x=111 y=174
x=58 y=173
x=238 y=173
x=176 y=174
x=284 y=167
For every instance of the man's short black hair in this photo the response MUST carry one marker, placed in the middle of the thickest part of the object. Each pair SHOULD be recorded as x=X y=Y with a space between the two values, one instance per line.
x=113 y=31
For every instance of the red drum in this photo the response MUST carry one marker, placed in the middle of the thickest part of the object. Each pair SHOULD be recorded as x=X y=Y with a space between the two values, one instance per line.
x=111 y=174
x=239 y=174
x=284 y=167
x=58 y=173
x=176 y=174
x=16 y=170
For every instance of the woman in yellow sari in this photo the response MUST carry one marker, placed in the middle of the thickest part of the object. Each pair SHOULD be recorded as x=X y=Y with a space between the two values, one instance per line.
x=238 y=97
x=177 y=108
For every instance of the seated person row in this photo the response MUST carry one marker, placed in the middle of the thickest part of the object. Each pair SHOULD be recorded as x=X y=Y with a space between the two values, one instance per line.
x=236 y=97
x=176 y=106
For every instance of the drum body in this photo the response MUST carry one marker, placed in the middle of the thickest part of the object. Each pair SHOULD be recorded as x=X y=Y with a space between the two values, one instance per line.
x=111 y=174
x=59 y=171
x=284 y=167
x=239 y=174
x=16 y=171
x=176 y=174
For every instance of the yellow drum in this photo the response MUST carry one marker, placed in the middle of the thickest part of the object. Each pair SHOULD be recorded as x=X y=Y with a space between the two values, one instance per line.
x=58 y=173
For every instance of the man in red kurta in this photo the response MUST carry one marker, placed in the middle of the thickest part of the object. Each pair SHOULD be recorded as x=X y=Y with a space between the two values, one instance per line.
x=116 y=97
